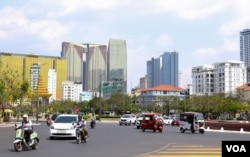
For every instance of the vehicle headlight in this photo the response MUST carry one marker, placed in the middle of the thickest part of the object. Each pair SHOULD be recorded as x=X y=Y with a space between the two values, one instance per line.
x=52 y=127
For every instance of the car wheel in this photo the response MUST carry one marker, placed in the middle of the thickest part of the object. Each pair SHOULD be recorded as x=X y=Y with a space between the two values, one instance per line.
x=51 y=138
x=201 y=131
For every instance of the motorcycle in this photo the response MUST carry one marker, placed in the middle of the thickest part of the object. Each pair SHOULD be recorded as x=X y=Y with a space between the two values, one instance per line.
x=92 y=123
x=20 y=142
x=80 y=135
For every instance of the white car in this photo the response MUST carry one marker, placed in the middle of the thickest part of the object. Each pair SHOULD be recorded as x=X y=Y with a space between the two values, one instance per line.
x=127 y=119
x=167 y=120
x=63 y=126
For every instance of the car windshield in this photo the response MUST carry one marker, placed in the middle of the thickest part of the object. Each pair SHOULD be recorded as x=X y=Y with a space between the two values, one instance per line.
x=66 y=119
x=54 y=116
x=165 y=117
x=199 y=117
x=126 y=116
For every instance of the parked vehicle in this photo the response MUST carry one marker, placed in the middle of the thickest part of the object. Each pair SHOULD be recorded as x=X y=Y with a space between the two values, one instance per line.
x=192 y=121
x=152 y=122
x=20 y=143
x=127 y=119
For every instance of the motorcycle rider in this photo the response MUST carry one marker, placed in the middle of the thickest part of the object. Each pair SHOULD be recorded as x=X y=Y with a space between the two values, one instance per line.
x=27 y=127
x=92 y=118
x=82 y=123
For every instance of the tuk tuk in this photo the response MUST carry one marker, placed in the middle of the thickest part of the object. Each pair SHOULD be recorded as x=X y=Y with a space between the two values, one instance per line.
x=192 y=121
x=151 y=121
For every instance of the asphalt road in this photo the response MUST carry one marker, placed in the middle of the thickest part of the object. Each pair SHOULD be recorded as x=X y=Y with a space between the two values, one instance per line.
x=112 y=140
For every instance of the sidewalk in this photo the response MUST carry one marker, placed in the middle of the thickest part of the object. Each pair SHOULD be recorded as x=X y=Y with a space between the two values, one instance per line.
x=14 y=121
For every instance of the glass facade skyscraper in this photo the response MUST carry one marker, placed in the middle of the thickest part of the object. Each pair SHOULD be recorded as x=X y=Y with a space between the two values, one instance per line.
x=117 y=61
x=163 y=70
x=170 y=68
x=73 y=53
x=245 y=50
x=153 y=72
x=96 y=66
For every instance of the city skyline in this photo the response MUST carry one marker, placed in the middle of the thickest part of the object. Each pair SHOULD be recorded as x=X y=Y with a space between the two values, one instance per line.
x=202 y=32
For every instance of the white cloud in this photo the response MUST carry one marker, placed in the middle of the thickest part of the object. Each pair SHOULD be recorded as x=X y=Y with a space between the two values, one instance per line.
x=3 y=35
x=164 y=42
x=205 y=52
x=10 y=16
x=44 y=24
x=46 y=29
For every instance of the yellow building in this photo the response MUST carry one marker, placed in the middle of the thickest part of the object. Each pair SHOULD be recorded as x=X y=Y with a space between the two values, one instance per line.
x=23 y=63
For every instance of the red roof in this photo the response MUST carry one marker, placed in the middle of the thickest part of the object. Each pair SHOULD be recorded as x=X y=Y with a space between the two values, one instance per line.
x=163 y=88
x=245 y=87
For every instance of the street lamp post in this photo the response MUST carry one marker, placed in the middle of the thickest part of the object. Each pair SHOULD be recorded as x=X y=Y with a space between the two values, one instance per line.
x=101 y=95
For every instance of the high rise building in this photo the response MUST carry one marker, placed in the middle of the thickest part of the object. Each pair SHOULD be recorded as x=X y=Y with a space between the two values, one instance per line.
x=73 y=53
x=221 y=77
x=30 y=66
x=95 y=67
x=202 y=80
x=117 y=61
x=52 y=84
x=163 y=70
x=153 y=72
x=245 y=50
x=34 y=75
x=71 y=91
x=170 y=68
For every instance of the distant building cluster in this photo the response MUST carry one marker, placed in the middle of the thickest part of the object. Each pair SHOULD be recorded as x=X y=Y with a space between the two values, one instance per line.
x=87 y=70
x=164 y=78
x=77 y=74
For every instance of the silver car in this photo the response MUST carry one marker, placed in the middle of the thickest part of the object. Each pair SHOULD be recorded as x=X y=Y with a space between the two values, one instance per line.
x=127 y=119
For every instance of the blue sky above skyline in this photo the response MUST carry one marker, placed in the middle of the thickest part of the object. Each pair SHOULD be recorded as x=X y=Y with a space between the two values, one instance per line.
x=202 y=32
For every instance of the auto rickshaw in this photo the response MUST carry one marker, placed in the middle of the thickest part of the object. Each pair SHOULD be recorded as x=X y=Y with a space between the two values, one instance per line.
x=192 y=121
x=151 y=121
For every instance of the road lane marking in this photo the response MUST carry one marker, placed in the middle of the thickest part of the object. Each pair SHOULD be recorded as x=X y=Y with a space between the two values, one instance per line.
x=174 y=150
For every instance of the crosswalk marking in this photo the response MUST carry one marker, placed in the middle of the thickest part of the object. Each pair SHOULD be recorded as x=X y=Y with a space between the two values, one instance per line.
x=174 y=150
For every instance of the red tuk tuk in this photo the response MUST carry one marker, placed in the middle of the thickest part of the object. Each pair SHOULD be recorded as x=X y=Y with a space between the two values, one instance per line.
x=151 y=121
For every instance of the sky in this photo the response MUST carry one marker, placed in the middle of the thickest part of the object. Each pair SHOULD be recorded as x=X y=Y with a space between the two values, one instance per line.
x=201 y=31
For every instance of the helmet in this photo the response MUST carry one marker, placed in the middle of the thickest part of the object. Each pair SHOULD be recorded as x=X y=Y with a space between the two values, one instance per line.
x=25 y=116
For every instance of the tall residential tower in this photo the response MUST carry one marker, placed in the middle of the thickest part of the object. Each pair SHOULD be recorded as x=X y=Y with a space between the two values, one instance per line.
x=245 y=50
